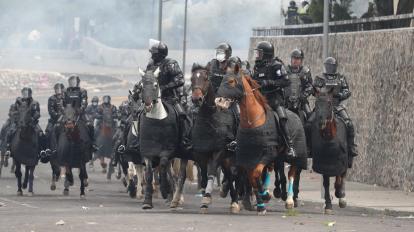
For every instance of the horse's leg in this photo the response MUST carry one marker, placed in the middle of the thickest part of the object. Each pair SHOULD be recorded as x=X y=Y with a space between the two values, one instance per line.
x=111 y=170
x=148 y=187
x=31 y=178
x=246 y=190
x=283 y=180
x=13 y=166
x=279 y=168
x=18 y=173
x=124 y=166
x=66 y=182
x=211 y=175
x=296 y=186
x=182 y=175
x=231 y=173
x=291 y=175
x=132 y=175
x=165 y=187
x=156 y=178
x=203 y=178
x=340 y=190
x=255 y=180
x=103 y=164
x=82 y=175
x=55 y=174
x=140 y=180
x=328 y=201
x=265 y=181
x=26 y=177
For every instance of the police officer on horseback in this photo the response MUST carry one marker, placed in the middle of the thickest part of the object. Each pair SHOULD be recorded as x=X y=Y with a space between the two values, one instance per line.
x=330 y=73
x=92 y=110
x=271 y=74
x=171 y=81
x=26 y=100
x=301 y=84
x=78 y=97
x=217 y=67
x=55 y=110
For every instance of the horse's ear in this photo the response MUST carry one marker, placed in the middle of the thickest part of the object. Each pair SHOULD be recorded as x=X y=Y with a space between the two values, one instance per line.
x=141 y=72
x=157 y=72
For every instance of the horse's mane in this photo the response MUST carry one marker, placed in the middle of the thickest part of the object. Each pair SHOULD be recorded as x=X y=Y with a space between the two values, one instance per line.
x=259 y=96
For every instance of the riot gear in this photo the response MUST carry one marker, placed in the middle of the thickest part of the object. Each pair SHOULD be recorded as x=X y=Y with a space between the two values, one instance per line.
x=158 y=50
x=74 y=81
x=264 y=51
x=272 y=77
x=223 y=52
x=297 y=53
x=26 y=93
x=106 y=99
x=330 y=66
x=95 y=101
x=59 y=88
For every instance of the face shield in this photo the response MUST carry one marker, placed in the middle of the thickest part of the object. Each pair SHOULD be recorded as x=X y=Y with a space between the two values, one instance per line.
x=258 y=54
x=26 y=93
x=73 y=82
x=220 y=55
x=330 y=68
x=106 y=100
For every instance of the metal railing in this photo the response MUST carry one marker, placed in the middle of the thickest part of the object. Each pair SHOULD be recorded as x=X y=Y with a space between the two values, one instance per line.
x=368 y=24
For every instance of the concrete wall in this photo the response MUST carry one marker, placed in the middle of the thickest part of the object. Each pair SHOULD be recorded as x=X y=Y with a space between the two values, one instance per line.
x=379 y=66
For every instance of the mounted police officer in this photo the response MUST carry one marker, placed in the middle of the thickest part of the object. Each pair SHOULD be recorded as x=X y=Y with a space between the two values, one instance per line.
x=171 y=81
x=301 y=84
x=78 y=97
x=106 y=122
x=331 y=73
x=271 y=74
x=55 y=110
x=217 y=67
x=10 y=124
x=26 y=100
x=92 y=110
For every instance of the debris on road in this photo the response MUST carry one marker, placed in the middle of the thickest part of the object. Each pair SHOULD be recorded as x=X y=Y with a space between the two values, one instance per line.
x=60 y=223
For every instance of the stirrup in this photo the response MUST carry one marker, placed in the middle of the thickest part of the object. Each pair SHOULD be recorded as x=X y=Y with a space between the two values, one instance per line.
x=291 y=152
x=232 y=146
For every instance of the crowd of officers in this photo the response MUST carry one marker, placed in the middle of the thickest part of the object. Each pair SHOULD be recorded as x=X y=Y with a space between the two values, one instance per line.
x=284 y=86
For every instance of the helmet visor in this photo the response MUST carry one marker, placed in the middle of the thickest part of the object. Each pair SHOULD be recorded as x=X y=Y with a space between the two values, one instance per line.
x=258 y=54
x=106 y=99
x=220 y=55
x=73 y=82
x=330 y=68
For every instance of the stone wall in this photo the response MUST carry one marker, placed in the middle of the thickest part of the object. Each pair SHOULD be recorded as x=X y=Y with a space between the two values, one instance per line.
x=379 y=66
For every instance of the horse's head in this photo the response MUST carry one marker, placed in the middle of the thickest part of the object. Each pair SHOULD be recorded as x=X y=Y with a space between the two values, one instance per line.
x=230 y=90
x=200 y=84
x=25 y=116
x=70 y=119
x=151 y=92
x=325 y=116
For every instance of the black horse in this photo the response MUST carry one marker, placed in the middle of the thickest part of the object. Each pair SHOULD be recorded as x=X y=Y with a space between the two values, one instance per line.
x=25 y=148
x=213 y=130
x=73 y=147
x=329 y=148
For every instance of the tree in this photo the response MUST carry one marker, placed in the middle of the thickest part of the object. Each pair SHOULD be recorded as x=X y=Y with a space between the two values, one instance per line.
x=339 y=10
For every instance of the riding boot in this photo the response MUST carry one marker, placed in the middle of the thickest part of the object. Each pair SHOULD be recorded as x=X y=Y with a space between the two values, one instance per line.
x=352 y=147
x=289 y=142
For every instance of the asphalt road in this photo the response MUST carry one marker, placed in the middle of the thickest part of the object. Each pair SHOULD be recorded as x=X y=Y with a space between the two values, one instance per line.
x=107 y=207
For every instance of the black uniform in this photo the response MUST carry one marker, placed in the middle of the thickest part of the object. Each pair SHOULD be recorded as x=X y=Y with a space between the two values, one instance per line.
x=55 y=109
x=171 y=81
x=216 y=71
x=273 y=79
x=299 y=90
x=92 y=112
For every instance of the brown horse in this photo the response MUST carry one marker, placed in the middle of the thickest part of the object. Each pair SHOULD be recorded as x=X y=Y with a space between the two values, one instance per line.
x=257 y=133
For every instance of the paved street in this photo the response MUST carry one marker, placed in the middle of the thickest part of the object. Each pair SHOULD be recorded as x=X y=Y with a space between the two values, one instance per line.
x=108 y=208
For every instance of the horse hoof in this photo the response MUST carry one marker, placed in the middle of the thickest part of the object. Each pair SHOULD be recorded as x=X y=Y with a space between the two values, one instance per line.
x=174 y=204
x=266 y=197
x=277 y=193
x=207 y=200
x=295 y=203
x=66 y=192
x=329 y=212
x=30 y=194
x=235 y=208
x=19 y=193
x=53 y=187
x=83 y=196
x=124 y=182
x=147 y=206
x=289 y=203
x=24 y=186
x=261 y=212
x=204 y=209
x=342 y=203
